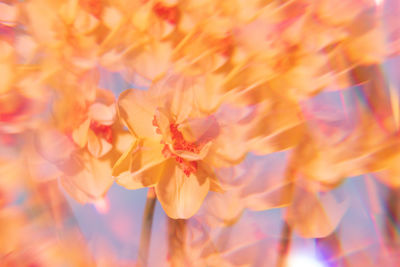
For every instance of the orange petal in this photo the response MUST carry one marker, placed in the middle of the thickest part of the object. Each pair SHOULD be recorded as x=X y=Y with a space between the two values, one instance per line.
x=145 y=165
x=112 y=17
x=53 y=146
x=145 y=178
x=97 y=146
x=225 y=208
x=270 y=187
x=313 y=216
x=391 y=175
x=163 y=124
x=154 y=60
x=123 y=139
x=136 y=110
x=8 y=14
x=91 y=182
x=369 y=48
x=6 y=71
x=12 y=224
x=103 y=114
x=181 y=196
x=179 y=96
x=274 y=198
x=281 y=140
x=80 y=135
x=200 y=129
x=123 y=164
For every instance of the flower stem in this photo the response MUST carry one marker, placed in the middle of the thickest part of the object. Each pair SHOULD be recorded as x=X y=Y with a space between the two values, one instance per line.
x=176 y=242
x=284 y=245
x=392 y=218
x=147 y=222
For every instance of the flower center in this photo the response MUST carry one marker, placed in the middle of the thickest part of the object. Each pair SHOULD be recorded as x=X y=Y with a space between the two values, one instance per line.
x=179 y=143
x=16 y=106
x=94 y=7
x=103 y=131
x=167 y=13
x=7 y=33
x=226 y=45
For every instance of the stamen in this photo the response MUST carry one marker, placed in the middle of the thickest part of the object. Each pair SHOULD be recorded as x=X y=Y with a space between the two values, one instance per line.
x=178 y=143
x=227 y=46
x=103 y=131
x=94 y=7
x=188 y=167
x=169 y=14
x=155 y=124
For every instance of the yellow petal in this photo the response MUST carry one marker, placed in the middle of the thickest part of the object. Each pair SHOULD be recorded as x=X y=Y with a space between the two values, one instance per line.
x=213 y=85
x=274 y=198
x=313 y=216
x=136 y=110
x=179 y=195
x=225 y=208
x=6 y=71
x=149 y=153
x=281 y=140
x=53 y=146
x=146 y=178
x=26 y=46
x=153 y=61
x=268 y=184
x=179 y=96
x=12 y=224
x=368 y=48
x=42 y=20
x=97 y=146
x=199 y=129
x=103 y=114
x=163 y=123
x=84 y=22
x=91 y=182
x=8 y=14
x=146 y=164
x=112 y=17
x=123 y=164
x=80 y=135
x=390 y=177
x=123 y=139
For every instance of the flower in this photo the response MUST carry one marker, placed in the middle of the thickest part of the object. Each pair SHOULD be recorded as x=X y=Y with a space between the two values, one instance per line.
x=176 y=148
x=96 y=130
x=85 y=177
x=258 y=183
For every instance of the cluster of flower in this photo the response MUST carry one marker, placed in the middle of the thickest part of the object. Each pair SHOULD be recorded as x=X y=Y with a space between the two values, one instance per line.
x=226 y=84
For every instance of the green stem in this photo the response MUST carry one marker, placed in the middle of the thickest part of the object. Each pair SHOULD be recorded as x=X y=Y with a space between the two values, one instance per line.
x=392 y=218
x=284 y=245
x=147 y=222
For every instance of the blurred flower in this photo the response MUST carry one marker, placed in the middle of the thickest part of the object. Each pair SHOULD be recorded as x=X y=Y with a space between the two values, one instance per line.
x=96 y=130
x=257 y=184
x=313 y=214
x=84 y=176
x=12 y=221
x=176 y=149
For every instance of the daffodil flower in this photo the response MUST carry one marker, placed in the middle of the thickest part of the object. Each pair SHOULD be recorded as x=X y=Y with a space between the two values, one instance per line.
x=176 y=147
